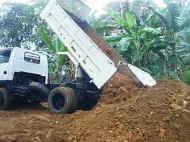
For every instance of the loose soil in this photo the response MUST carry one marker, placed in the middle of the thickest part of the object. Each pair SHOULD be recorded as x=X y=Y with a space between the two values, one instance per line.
x=125 y=113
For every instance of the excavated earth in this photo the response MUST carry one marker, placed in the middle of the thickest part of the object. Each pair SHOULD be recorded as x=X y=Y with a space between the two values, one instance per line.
x=125 y=113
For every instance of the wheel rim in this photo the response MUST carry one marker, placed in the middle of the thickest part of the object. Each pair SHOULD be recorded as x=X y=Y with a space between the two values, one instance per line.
x=58 y=101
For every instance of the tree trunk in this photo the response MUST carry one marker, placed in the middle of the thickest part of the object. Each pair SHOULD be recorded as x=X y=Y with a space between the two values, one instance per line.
x=175 y=63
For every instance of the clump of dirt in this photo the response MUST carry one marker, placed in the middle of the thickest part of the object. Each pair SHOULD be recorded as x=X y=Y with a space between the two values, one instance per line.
x=118 y=88
x=157 y=114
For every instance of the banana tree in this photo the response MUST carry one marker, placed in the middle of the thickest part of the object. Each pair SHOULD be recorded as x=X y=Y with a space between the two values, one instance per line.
x=139 y=43
x=175 y=29
x=163 y=34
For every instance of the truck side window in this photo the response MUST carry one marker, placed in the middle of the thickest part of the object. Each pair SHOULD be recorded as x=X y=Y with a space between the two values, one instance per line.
x=4 y=56
x=31 y=57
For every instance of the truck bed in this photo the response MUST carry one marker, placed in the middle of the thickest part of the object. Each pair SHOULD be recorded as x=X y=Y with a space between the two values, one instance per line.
x=102 y=44
x=99 y=67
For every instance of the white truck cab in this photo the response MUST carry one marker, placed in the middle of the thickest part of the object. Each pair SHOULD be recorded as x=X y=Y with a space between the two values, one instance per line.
x=19 y=60
x=23 y=76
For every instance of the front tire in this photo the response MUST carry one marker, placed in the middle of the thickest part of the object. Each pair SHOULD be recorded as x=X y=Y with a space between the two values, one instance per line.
x=62 y=100
x=5 y=99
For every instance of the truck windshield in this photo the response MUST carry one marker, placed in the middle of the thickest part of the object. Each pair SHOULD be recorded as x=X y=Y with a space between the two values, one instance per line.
x=4 y=56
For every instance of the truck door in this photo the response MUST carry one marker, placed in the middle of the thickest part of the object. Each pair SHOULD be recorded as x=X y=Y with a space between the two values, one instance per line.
x=4 y=64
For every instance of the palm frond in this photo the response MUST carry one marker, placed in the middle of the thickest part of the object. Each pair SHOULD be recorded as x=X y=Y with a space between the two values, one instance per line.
x=46 y=39
x=173 y=14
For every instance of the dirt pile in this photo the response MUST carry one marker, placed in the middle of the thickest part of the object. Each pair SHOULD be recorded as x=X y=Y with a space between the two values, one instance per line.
x=119 y=87
x=158 y=114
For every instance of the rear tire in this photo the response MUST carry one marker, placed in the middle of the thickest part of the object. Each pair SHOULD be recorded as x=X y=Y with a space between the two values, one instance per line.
x=62 y=100
x=5 y=99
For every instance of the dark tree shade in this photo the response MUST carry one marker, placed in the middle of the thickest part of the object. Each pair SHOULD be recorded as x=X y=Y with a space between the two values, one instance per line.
x=18 y=25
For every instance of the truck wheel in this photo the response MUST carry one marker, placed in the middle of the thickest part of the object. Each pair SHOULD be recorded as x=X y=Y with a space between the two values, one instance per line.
x=39 y=92
x=89 y=101
x=62 y=100
x=5 y=99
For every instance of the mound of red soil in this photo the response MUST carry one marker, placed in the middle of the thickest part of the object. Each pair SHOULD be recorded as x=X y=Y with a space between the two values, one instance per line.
x=158 y=114
x=118 y=89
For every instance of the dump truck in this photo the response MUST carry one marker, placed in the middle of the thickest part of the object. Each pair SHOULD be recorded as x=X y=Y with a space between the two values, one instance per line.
x=94 y=60
x=24 y=73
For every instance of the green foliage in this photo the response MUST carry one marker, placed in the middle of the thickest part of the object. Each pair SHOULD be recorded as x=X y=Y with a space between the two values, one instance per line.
x=18 y=25
x=186 y=76
x=55 y=46
x=130 y=20
x=137 y=42
x=157 y=40
x=45 y=37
